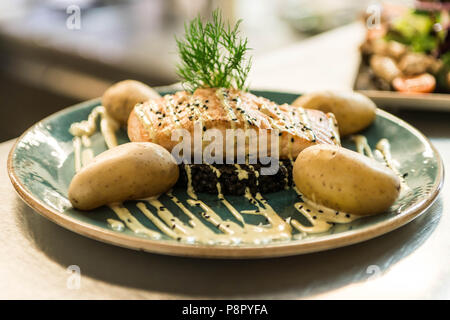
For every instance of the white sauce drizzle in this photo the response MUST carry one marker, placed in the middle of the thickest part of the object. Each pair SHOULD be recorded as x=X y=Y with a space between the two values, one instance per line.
x=362 y=146
x=383 y=150
x=132 y=223
x=77 y=152
x=321 y=218
x=115 y=224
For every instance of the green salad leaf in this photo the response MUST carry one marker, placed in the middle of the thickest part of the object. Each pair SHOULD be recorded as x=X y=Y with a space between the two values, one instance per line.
x=446 y=59
x=415 y=29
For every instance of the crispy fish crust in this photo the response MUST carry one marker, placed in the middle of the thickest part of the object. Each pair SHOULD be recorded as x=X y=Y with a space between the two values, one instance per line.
x=222 y=109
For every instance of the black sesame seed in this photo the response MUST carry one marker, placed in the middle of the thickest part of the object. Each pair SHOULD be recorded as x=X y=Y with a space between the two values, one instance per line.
x=320 y=211
x=314 y=217
x=347 y=215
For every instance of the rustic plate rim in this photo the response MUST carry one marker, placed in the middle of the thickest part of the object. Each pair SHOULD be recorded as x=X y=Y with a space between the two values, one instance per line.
x=221 y=251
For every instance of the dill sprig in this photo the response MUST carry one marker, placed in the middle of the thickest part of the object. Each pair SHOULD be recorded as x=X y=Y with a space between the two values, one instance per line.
x=213 y=55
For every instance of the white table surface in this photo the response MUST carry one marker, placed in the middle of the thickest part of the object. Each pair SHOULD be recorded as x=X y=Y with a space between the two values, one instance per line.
x=411 y=262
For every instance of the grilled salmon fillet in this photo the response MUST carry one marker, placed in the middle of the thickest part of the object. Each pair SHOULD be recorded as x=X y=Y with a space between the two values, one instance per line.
x=155 y=120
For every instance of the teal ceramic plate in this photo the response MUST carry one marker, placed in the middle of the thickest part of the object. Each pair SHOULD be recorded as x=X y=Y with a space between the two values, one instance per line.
x=41 y=166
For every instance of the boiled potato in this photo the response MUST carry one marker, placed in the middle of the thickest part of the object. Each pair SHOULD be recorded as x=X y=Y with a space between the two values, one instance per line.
x=345 y=180
x=353 y=111
x=132 y=170
x=121 y=98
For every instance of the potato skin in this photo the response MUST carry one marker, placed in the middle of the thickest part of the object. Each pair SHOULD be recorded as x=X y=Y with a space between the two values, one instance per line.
x=132 y=170
x=353 y=111
x=120 y=98
x=345 y=180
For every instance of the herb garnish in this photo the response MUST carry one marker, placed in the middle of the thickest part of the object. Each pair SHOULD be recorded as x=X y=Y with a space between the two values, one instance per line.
x=213 y=55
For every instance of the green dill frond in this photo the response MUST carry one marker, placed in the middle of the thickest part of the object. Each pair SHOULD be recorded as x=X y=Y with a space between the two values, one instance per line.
x=213 y=55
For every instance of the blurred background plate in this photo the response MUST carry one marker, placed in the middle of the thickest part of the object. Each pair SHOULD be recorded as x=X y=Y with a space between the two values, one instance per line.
x=426 y=101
